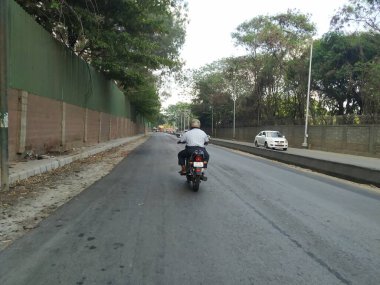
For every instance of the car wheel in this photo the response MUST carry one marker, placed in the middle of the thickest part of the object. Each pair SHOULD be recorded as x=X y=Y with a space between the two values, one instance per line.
x=265 y=145
x=256 y=144
x=284 y=148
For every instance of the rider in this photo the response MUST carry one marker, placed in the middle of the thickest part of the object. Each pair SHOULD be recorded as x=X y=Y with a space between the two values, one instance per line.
x=194 y=139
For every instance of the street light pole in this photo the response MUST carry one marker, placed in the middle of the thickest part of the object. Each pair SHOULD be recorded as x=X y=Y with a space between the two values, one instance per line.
x=212 y=121
x=304 y=144
x=4 y=8
x=184 y=121
x=188 y=120
x=234 y=98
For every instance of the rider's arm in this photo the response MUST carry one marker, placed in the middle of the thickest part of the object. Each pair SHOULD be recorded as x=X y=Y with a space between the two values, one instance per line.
x=183 y=138
x=206 y=139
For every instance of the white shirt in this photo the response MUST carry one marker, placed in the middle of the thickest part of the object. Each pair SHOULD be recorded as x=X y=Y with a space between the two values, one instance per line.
x=195 y=137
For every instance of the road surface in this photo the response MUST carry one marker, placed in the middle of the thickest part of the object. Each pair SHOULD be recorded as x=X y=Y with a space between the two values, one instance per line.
x=253 y=222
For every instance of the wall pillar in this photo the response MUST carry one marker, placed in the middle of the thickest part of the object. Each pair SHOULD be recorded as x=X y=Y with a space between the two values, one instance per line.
x=63 y=125
x=23 y=111
x=372 y=139
x=85 y=135
x=110 y=129
x=100 y=127
x=344 y=138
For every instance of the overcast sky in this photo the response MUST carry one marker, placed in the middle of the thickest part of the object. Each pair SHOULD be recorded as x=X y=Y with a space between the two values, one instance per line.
x=212 y=22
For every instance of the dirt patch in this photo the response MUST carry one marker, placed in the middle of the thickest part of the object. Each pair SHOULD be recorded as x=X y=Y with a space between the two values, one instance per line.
x=31 y=200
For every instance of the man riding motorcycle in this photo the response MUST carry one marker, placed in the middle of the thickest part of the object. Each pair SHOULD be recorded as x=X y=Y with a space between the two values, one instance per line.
x=194 y=139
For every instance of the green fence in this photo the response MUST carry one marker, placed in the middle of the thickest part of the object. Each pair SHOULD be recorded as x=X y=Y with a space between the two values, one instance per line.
x=42 y=66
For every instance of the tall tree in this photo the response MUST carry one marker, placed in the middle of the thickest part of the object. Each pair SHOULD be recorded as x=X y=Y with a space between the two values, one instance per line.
x=126 y=40
x=362 y=13
x=211 y=96
x=273 y=42
x=341 y=69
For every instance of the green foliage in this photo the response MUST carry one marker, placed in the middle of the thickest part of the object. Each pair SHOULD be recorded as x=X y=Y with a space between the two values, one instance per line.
x=212 y=94
x=177 y=114
x=126 y=40
x=371 y=87
x=280 y=35
x=344 y=71
x=362 y=13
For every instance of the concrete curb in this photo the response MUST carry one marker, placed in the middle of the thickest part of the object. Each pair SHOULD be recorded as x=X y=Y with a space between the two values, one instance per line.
x=50 y=164
x=337 y=169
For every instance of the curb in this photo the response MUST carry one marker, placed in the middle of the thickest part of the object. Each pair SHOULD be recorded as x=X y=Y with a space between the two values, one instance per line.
x=59 y=162
x=341 y=170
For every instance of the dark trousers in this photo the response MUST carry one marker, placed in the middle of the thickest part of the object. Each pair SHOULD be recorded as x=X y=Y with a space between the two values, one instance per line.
x=187 y=152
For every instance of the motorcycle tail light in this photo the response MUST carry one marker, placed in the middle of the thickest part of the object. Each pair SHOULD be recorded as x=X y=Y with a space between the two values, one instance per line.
x=198 y=158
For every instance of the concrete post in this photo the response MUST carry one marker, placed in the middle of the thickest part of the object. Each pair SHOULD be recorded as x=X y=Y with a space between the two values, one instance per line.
x=110 y=129
x=100 y=128
x=23 y=121
x=63 y=126
x=372 y=139
x=85 y=136
x=344 y=138
x=4 y=155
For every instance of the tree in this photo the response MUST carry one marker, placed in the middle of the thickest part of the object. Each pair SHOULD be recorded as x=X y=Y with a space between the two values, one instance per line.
x=282 y=35
x=363 y=13
x=211 y=96
x=126 y=40
x=276 y=45
x=179 y=115
x=341 y=70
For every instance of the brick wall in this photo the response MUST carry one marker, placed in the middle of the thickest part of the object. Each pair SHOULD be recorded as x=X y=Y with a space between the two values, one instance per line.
x=45 y=125
x=93 y=119
x=74 y=126
x=105 y=127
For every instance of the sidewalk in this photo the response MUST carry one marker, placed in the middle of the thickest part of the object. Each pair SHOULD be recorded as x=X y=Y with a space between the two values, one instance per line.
x=23 y=170
x=351 y=167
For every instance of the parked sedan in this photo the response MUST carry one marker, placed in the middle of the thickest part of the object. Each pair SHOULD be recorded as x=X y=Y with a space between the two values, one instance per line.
x=271 y=139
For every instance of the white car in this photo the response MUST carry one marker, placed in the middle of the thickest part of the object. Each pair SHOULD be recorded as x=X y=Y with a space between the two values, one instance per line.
x=271 y=139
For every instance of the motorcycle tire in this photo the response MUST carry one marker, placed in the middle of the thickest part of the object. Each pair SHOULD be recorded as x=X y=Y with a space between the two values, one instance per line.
x=196 y=182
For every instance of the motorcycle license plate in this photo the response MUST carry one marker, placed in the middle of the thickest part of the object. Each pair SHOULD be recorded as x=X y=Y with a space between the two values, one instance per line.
x=198 y=164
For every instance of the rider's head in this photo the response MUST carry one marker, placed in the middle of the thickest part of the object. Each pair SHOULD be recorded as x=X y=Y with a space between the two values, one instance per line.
x=195 y=124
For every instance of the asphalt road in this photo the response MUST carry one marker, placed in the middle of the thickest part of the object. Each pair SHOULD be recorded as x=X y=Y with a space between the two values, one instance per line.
x=253 y=222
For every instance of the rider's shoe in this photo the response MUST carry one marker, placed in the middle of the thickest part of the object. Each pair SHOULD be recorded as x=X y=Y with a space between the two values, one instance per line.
x=204 y=177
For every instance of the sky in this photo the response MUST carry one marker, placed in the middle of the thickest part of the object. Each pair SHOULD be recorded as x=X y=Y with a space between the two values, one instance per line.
x=208 y=34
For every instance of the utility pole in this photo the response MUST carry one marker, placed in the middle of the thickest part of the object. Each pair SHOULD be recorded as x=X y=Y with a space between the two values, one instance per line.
x=4 y=8
x=304 y=144
x=233 y=135
x=212 y=121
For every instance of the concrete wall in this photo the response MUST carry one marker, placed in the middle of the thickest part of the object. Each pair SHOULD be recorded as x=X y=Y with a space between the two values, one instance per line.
x=46 y=125
x=352 y=139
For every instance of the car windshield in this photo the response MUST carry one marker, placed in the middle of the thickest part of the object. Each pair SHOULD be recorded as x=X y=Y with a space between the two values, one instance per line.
x=275 y=134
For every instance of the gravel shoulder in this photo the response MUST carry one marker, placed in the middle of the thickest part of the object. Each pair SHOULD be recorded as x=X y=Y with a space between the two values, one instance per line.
x=31 y=200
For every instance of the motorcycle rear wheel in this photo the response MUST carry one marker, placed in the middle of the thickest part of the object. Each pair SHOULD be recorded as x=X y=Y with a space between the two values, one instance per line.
x=196 y=182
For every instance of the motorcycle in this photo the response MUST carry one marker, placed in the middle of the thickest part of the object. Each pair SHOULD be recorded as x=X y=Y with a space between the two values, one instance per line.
x=195 y=165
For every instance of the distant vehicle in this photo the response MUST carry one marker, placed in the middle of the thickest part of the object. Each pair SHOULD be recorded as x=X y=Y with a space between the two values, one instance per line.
x=271 y=139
